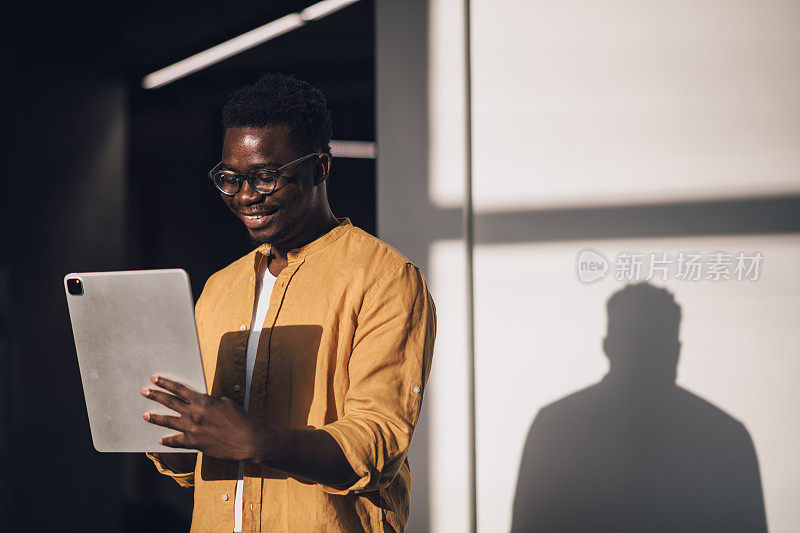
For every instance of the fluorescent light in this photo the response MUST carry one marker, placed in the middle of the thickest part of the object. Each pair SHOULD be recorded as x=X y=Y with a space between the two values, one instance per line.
x=241 y=43
x=222 y=51
x=354 y=149
x=324 y=8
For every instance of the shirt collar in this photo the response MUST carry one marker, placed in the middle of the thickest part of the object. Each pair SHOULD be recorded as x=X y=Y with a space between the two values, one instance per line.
x=317 y=244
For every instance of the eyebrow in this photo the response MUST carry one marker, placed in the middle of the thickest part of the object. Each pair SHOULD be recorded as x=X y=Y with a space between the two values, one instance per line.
x=253 y=167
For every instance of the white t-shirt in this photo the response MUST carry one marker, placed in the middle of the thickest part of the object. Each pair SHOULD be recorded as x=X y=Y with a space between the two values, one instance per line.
x=264 y=286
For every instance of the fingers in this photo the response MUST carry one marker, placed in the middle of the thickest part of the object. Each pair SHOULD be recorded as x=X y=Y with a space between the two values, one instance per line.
x=181 y=440
x=173 y=402
x=171 y=422
x=175 y=441
x=178 y=389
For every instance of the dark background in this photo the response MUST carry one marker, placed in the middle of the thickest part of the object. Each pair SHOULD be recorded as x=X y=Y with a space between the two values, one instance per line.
x=101 y=174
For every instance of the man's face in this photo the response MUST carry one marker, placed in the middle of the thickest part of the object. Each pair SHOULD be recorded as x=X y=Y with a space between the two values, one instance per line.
x=282 y=215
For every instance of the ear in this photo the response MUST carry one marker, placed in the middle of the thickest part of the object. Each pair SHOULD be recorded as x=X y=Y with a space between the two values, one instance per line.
x=322 y=169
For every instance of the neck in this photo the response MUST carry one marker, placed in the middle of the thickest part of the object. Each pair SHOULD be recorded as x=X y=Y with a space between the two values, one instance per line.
x=319 y=225
x=644 y=378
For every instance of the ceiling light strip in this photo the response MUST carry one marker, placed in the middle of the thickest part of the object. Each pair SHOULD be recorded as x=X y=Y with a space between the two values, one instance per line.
x=324 y=8
x=354 y=149
x=222 y=51
x=241 y=43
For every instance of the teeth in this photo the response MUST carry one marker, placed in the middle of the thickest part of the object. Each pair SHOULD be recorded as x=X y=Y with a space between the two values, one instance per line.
x=253 y=217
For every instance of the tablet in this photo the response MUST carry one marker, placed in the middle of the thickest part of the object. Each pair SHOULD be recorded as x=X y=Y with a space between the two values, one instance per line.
x=128 y=326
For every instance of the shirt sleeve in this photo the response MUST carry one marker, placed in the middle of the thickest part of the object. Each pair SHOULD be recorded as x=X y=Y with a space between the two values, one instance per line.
x=388 y=370
x=184 y=479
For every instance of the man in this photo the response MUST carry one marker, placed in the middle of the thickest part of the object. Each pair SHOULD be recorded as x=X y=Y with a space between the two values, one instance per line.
x=316 y=345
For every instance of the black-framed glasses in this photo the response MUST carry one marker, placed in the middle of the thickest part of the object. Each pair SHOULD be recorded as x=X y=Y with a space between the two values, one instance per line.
x=263 y=180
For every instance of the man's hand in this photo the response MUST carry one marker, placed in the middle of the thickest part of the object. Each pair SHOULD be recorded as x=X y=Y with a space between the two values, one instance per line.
x=215 y=426
x=220 y=428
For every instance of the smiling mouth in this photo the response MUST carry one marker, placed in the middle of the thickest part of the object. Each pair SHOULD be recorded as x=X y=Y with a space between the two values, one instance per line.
x=257 y=219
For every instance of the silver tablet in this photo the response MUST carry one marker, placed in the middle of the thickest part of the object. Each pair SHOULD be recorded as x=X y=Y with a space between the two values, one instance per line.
x=128 y=326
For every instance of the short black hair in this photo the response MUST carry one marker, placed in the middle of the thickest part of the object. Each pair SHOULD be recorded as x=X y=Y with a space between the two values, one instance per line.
x=282 y=100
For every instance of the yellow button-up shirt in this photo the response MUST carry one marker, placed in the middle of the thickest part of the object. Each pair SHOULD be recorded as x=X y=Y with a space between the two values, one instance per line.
x=346 y=347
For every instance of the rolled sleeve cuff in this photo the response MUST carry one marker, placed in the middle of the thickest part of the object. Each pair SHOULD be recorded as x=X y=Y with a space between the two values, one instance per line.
x=362 y=458
x=184 y=479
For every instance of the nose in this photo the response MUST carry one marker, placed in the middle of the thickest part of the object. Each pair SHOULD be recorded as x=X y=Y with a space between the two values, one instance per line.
x=248 y=195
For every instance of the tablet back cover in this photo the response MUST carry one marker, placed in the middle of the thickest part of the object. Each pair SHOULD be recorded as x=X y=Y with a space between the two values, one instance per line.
x=128 y=326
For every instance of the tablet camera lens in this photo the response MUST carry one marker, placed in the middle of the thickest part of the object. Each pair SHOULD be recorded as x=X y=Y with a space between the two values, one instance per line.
x=75 y=286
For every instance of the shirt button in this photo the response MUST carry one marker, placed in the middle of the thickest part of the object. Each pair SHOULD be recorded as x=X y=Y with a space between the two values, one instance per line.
x=416 y=390
x=251 y=506
x=236 y=387
x=224 y=497
x=251 y=278
x=242 y=327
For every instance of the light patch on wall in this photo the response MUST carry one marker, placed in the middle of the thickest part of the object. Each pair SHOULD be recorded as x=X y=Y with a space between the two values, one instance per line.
x=615 y=103
x=447 y=104
x=447 y=398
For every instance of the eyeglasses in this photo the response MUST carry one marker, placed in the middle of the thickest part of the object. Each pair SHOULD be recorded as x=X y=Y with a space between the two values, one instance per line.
x=263 y=180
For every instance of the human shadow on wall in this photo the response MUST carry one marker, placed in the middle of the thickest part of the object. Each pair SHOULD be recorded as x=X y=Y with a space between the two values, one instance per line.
x=636 y=452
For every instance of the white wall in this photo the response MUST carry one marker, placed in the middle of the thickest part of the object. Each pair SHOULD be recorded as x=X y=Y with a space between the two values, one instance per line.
x=587 y=105
x=618 y=126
